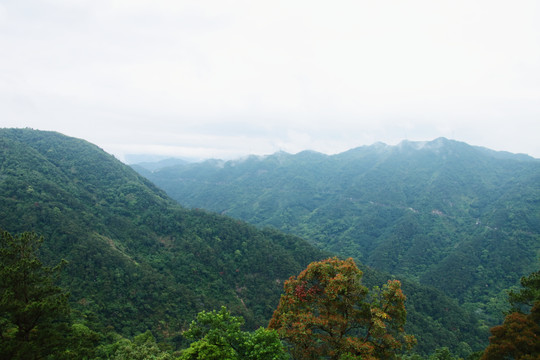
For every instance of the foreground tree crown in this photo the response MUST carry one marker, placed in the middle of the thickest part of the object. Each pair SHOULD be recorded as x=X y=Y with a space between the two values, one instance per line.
x=519 y=335
x=33 y=310
x=326 y=312
x=219 y=336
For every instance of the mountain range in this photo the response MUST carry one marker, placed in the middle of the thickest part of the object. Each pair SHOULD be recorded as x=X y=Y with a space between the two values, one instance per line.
x=461 y=218
x=137 y=260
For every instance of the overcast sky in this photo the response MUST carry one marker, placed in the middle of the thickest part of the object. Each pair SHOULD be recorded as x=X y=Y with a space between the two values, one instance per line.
x=228 y=78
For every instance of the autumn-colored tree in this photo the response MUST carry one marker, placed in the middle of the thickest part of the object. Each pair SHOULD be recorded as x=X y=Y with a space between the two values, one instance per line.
x=519 y=335
x=326 y=313
x=517 y=338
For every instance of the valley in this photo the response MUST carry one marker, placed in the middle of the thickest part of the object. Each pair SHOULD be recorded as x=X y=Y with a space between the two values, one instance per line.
x=141 y=260
x=420 y=210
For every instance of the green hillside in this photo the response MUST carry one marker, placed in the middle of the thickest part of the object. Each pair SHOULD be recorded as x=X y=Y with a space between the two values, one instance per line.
x=461 y=218
x=139 y=261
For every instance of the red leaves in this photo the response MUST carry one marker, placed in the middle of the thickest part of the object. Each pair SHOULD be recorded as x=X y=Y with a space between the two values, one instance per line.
x=300 y=291
x=327 y=312
x=303 y=291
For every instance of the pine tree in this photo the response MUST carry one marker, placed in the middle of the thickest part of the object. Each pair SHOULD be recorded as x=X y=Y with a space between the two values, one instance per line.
x=33 y=310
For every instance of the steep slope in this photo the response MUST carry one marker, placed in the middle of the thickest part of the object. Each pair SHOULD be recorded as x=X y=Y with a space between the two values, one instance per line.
x=137 y=260
x=461 y=218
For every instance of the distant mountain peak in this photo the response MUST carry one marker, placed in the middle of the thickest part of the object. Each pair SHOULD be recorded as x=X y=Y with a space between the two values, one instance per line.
x=379 y=145
x=419 y=145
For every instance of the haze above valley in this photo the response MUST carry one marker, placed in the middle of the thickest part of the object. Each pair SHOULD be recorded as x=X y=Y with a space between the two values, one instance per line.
x=225 y=79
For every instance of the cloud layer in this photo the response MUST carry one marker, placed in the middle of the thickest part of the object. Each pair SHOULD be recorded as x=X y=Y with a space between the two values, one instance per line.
x=228 y=78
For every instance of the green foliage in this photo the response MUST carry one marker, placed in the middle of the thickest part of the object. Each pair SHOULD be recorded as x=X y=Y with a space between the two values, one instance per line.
x=115 y=347
x=143 y=347
x=82 y=343
x=422 y=211
x=218 y=335
x=463 y=219
x=529 y=293
x=33 y=310
x=137 y=260
x=442 y=354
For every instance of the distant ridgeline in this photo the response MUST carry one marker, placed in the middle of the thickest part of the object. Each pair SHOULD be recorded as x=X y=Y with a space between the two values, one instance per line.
x=139 y=261
x=461 y=218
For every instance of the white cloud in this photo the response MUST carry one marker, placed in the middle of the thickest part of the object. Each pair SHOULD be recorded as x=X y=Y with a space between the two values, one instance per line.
x=236 y=77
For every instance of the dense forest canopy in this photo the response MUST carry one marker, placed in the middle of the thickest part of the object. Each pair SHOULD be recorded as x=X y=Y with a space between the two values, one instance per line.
x=461 y=218
x=138 y=262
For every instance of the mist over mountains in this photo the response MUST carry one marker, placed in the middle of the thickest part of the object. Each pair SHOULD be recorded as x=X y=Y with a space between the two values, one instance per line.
x=137 y=260
x=461 y=218
x=439 y=214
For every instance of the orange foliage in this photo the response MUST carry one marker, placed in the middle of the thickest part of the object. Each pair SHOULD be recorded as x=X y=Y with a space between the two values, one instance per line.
x=327 y=312
x=517 y=338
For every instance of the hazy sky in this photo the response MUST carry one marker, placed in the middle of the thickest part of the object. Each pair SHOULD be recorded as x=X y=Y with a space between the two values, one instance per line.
x=228 y=78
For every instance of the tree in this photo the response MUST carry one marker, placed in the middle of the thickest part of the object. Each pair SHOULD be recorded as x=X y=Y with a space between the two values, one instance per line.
x=219 y=337
x=33 y=310
x=82 y=343
x=326 y=312
x=143 y=347
x=517 y=338
x=519 y=335
x=442 y=354
x=528 y=294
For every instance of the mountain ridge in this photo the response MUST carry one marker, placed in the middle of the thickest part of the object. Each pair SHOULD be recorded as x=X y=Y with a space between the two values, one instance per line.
x=434 y=144
x=417 y=209
x=122 y=234
x=139 y=261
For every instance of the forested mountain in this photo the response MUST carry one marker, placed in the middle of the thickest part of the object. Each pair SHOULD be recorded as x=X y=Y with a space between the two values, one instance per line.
x=138 y=260
x=462 y=218
x=160 y=164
